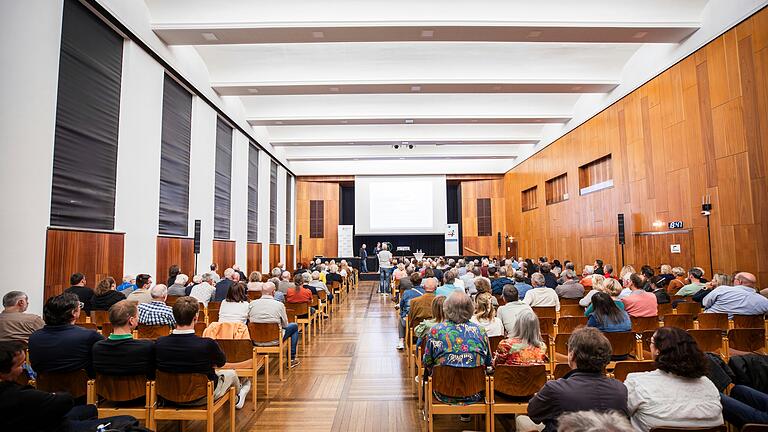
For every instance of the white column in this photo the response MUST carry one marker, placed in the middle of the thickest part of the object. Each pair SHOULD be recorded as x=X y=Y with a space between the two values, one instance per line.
x=281 y=177
x=239 y=197
x=30 y=39
x=137 y=197
x=202 y=174
x=264 y=167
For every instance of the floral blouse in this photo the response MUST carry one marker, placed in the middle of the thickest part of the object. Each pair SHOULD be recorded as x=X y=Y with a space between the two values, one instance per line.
x=514 y=351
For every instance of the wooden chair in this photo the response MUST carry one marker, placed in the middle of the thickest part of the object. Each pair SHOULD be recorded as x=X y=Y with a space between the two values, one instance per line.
x=75 y=383
x=171 y=300
x=748 y=321
x=266 y=333
x=712 y=321
x=710 y=340
x=746 y=340
x=561 y=348
x=153 y=331
x=185 y=388
x=83 y=318
x=567 y=324
x=293 y=317
x=571 y=310
x=683 y=321
x=691 y=308
x=242 y=352
x=494 y=343
x=645 y=344
x=641 y=324
x=674 y=298
x=545 y=312
x=200 y=328
x=547 y=325
x=87 y=325
x=337 y=293
x=106 y=329
x=213 y=315
x=99 y=317
x=689 y=429
x=110 y=393
x=568 y=301
x=254 y=295
x=303 y=319
x=624 y=368
x=512 y=388
x=622 y=344
x=560 y=370
x=457 y=382
x=214 y=305
x=664 y=309
x=323 y=309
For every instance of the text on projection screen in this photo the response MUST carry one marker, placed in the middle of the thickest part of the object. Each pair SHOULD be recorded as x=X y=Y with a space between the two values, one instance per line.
x=392 y=209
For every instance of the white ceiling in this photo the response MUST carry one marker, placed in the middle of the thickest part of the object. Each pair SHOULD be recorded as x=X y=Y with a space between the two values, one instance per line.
x=472 y=85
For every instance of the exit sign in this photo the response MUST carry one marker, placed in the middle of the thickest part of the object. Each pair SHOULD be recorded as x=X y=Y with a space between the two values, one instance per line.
x=675 y=225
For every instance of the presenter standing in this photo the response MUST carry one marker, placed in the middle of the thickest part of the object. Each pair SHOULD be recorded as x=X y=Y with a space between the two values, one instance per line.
x=385 y=269
x=363 y=259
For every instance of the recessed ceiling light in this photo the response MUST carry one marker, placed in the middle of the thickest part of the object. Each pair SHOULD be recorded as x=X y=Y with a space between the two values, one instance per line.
x=534 y=34
x=427 y=33
x=278 y=122
x=210 y=37
x=640 y=35
x=408 y=121
x=318 y=34
x=576 y=88
x=334 y=89
x=415 y=88
x=497 y=88
x=253 y=90
x=343 y=122
x=404 y=142
x=401 y=158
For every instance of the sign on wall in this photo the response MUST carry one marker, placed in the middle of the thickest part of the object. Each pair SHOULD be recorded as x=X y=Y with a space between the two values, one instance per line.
x=452 y=239
x=675 y=248
x=345 y=248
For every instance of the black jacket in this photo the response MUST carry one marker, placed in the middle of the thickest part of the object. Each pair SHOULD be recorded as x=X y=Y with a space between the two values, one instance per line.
x=62 y=348
x=85 y=295
x=576 y=391
x=750 y=370
x=124 y=357
x=104 y=302
x=188 y=353
x=222 y=288
x=27 y=409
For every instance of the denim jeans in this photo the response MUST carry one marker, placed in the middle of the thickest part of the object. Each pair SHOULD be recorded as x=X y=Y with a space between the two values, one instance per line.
x=292 y=331
x=364 y=265
x=401 y=328
x=745 y=405
x=83 y=418
x=385 y=274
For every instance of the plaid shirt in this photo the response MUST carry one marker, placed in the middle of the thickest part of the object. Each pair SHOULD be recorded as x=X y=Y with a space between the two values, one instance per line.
x=156 y=313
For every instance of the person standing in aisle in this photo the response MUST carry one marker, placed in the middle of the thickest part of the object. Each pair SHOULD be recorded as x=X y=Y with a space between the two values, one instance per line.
x=385 y=269
x=363 y=259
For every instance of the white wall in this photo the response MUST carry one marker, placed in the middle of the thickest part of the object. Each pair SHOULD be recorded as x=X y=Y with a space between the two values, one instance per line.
x=281 y=211
x=202 y=172
x=137 y=196
x=239 y=198
x=264 y=166
x=30 y=37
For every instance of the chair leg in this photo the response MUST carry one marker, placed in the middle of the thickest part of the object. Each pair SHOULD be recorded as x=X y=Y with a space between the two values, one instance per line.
x=231 y=411
x=254 y=383
x=280 y=364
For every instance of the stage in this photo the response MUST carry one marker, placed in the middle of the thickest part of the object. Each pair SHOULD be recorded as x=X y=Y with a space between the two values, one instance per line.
x=373 y=262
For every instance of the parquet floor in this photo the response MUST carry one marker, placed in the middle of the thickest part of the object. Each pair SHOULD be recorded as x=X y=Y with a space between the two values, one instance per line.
x=351 y=378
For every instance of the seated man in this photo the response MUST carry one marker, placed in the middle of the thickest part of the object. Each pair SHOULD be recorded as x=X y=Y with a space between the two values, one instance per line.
x=421 y=307
x=61 y=346
x=405 y=304
x=285 y=282
x=156 y=312
x=120 y=353
x=78 y=288
x=268 y=310
x=448 y=287
x=27 y=409
x=694 y=275
x=15 y=324
x=184 y=352
x=319 y=285
x=540 y=295
x=141 y=293
x=570 y=288
x=739 y=299
x=497 y=285
x=639 y=303
x=521 y=285
x=512 y=309
x=204 y=292
x=584 y=388
x=231 y=277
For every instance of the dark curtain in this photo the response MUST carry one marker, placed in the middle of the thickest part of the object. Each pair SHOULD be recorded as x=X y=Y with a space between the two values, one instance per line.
x=273 y=202
x=174 y=159
x=288 y=207
x=87 y=116
x=253 y=193
x=431 y=244
x=222 y=198
x=347 y=205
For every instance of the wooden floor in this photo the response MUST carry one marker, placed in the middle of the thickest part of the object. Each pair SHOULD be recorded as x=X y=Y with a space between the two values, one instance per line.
x=350 y=379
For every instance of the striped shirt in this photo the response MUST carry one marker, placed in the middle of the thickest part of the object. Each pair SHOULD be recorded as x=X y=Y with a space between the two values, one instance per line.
x=156 y=313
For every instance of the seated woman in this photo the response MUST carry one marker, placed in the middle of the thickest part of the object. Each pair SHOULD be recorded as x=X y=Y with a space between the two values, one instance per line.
x=523 y=344
x=596 y=282
x=423 y=328
x=613 y=288
x=606 y=316
x=104 y=296
x=254 y=281
x=483 y=285
x=400 y=272
x=485 y=316
x=236 y=306
x=677 y=393
x=457 y=342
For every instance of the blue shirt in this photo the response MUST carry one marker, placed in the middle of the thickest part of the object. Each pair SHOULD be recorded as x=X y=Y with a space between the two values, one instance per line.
x=446 y=290
x=735 y=300
x=497 y=285
x=125 y=285
x=608 y=327
x=522 y=288
x=405 y=302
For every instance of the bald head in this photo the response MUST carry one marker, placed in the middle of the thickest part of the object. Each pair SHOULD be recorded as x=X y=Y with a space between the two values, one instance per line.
x=268 y=288
x=746 y=279
x=286 y=276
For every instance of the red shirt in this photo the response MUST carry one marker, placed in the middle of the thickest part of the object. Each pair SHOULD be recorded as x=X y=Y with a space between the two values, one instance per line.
x=640 y=304
x=303 y=295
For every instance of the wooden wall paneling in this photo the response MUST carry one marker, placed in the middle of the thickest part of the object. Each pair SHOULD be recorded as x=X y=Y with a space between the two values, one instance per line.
x=274 y=255
x=470 y=192
x=699 y=128
x=289 y=258
x=223 y=254
x=254 y=255
x=175 y=250
x=328 y=192
x=655 y=248
x=95 y=254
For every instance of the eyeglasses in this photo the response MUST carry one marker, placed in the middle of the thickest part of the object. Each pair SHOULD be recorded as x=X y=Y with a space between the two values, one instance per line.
x=80 y=305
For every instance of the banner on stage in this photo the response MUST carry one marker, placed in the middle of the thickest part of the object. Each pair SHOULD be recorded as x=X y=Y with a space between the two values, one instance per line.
x=346 y=248
x=452 y=239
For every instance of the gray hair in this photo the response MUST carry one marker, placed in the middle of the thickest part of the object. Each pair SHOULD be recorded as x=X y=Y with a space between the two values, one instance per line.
x=269 y=287
x=588 y=270
x=197 y=279
x=458 y=307
x=229 y=272
x=206 y=277
x=502 y=271
x=569 y=274
x=593 y=421
x=306 y=277
x=429 y=284
x=13 y=297
x=537 y=280
x=127 y=278
x=526 y=327
x=276 y=272
x=159 y=291
x=315 y=275
x=181 y=279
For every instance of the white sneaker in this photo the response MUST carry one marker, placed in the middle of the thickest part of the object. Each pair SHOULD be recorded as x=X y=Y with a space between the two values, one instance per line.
x=401 y=345
x=244 y=389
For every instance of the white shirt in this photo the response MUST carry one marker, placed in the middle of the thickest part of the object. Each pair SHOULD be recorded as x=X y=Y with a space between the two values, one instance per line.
x=385 y=259
x=492 y=328
x=203 y=292
x=234 y=312
x=509 y=313
x=542 y=296
x=659 y=398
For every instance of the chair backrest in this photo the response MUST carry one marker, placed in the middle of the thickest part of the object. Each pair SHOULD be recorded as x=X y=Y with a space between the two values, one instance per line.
x=171 y=300
x=500 y=299
x=547 y=325
x=236 y=350
x=75 y=383
x=545 y=312
x=752 y=427
x=106 y=329
x=314 y=302
x=568 y=301
x=81 y=318
x=692 y=308
x=201 y=312
x=99 y=317
x=87 y=325
x=561 y=369
x=458 y=382
x=752 y=339
x=567 y=324
x=121 y=388
x=200 y=328
x=335 y=285
x=322 y=295
x=519 y=381
x=749 y=321
x=641 y=324
x=264 y=332
x=181 y=387
x=678 y=297
x=571 y=310
x=622 y=343
x=683 y=321
x=215 y=305
x=713 y=321
x=689 y=429
x=623 y=368
x=298 y=308
x=708 y=340
x=494 y=342
x=664 y=309
x=561 y=343
x=254 y=295
x=153 y=331
x=213 y=315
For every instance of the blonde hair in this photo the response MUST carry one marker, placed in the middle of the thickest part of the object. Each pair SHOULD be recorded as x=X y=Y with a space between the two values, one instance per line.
x=626 y=270
x=666 y=269
x=484 y=307
x=597 y=281
x=679 y=271
x=612 y=287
